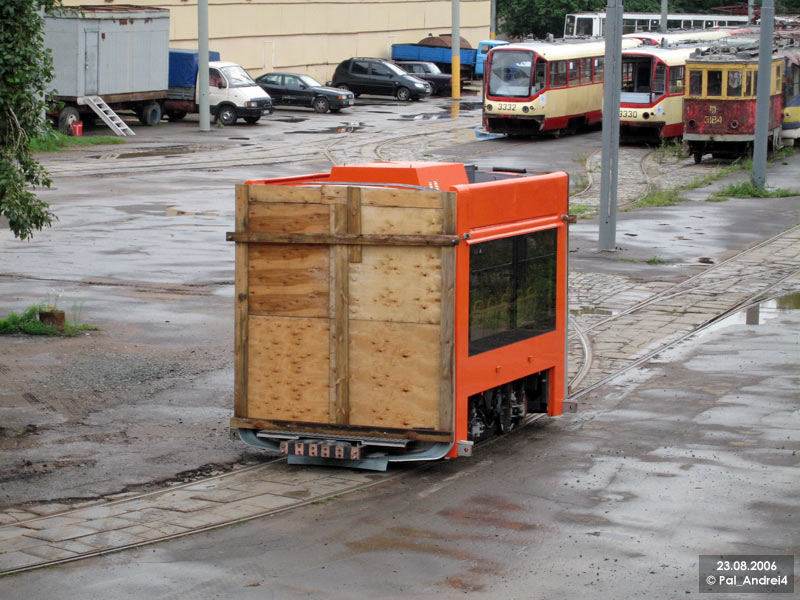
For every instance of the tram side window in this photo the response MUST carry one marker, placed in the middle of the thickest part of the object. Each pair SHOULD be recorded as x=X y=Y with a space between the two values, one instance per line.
x=777 y=78
x=660 y=80
x=586 y=70
x=584 y=26
x=734 y=84
x=714 y=84
x=676 y=75
x=569 y=26
x=512 y=290
x=598 y=68
x=573 y=71
x=558 y=73
x=748 y=83
x=628 y=25
x=696 y=83
x=540 y=76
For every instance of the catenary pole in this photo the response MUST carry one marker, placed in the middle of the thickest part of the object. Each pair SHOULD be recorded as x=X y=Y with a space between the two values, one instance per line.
x=763 y=95
x=493 y=20
x=664 y=11
x=456 y=49
x=202 y=67
x=609 y=165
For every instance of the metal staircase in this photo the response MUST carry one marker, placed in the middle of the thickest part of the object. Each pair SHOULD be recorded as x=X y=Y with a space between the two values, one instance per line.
x=110 y=118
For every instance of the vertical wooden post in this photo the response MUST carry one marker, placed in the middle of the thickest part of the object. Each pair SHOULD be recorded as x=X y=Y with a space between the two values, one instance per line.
x=448 y=315
x=241 y=305
x=340 y=319
x=354 y=220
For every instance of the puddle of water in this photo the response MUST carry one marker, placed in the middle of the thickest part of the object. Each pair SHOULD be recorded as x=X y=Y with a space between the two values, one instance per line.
x=758 y=314
x=422 y=117
x=291 y=119
x=172 y=211
x=239 y=138
x=343 y=128
x=705 y=260
x=167 y=151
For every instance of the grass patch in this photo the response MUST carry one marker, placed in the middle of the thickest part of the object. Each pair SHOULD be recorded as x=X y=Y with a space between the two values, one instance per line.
x=626 y=259
x=670 y=149
x=580 y=210
x=717 y=199
x=655 y=260
x=55 y=141
x=746 y=189
x=669 y=197
x=28 y=323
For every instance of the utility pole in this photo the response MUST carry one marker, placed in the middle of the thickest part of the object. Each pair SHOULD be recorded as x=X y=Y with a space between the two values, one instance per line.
x=493 y=20
x=202 y=72
x=664 y=12
x=764 y=80
x=612 y=82
x=750 y=11
x=456 y=49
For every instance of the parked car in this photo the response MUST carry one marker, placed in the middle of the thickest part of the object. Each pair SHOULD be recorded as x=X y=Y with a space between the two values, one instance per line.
x=428 y=71
x=378 y=76
x=294 y=89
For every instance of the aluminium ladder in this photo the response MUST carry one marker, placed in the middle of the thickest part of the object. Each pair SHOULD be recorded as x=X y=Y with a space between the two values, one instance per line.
x=110 y=118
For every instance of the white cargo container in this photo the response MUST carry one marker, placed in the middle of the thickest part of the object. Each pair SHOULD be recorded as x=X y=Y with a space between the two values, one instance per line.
x=117 y=53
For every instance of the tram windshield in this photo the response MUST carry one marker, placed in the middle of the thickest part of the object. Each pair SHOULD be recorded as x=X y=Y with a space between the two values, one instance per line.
x=511 y=73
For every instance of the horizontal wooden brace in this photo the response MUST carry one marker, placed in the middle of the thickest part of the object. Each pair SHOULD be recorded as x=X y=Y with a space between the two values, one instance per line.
x=346 y=239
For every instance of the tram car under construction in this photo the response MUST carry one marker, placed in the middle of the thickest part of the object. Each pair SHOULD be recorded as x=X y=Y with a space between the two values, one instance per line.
x=397 y=311
x=720 y=107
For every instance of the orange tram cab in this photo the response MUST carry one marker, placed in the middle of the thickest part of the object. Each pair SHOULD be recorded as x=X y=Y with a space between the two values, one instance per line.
x=397 y=311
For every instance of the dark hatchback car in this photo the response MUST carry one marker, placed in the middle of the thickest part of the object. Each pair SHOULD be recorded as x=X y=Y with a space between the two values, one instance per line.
x=441 y=83
x=293 y=89
x=378 y=76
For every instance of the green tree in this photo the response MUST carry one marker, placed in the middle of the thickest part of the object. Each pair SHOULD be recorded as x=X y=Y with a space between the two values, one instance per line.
x=25 y=69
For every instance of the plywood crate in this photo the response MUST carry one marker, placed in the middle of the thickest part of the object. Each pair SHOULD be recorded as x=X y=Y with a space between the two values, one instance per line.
x=345 y=310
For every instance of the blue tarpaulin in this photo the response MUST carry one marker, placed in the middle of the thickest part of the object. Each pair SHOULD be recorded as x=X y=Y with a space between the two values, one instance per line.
x=183 y=66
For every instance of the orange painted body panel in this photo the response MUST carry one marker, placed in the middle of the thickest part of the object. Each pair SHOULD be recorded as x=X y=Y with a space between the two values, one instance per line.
x=488 y=211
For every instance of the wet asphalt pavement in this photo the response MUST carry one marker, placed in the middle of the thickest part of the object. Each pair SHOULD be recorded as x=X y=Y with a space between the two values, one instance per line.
x=694 y=453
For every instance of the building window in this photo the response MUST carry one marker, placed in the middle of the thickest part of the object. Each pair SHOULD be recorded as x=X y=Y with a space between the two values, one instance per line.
x=512 y=290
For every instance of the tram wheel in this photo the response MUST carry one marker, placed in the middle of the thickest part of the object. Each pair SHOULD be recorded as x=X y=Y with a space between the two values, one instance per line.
x=698 y=157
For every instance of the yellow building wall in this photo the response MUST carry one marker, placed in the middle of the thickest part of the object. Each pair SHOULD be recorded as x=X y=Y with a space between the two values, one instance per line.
x=313 y=37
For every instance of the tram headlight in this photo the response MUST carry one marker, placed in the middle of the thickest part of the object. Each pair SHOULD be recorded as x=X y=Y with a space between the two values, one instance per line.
x=692 y=123
x=489 y=107
x=734 y=124
x=525 y=109
x=646 y=115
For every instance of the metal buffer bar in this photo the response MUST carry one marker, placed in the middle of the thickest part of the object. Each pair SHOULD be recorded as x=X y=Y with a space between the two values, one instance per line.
x=110 y=118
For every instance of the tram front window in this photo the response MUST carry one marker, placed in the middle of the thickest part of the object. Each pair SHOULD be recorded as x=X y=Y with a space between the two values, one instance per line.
x=714 y=83
x=510 y=75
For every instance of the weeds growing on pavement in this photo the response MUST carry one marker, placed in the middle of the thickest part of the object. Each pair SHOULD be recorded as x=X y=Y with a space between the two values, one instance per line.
x=580 y=210
x=626 y=259
x=747 y=189
x=655 y=260
x=659 y=197
x=669 y=149
x=28 y=323
x=55 y=141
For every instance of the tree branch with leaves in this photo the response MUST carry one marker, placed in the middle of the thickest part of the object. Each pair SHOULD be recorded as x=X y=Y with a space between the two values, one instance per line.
x=25 y=70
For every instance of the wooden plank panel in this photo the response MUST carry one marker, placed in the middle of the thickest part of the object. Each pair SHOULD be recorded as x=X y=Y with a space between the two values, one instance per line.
x=286 y=375
x=394 y=371
x=354 y=220
x=397 y=284
x=240 y=408
x=448 y=318
x=401 y=221
x=390 y=197
x=289 y=280
x=293 y=194
x=284 y=217
x=340 y=322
